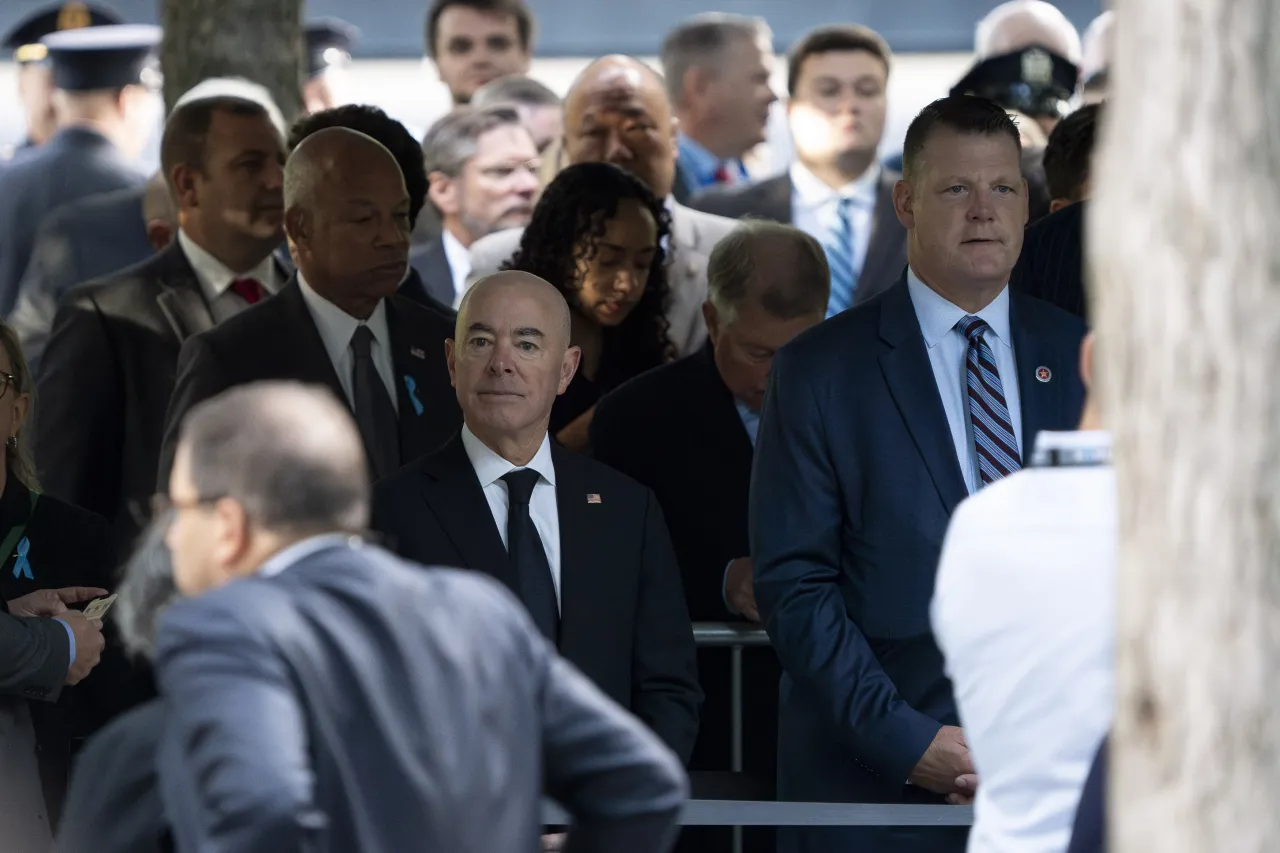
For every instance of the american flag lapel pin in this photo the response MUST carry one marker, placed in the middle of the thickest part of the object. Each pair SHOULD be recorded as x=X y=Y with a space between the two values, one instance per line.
x=593 y=498
x=417 y=352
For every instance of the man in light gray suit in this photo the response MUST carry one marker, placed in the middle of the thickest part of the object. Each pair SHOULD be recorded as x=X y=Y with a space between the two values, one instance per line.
x=324 y=694
x=617 y=112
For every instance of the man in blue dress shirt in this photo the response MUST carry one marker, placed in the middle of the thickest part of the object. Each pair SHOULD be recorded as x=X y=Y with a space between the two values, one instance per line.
x=876 y=424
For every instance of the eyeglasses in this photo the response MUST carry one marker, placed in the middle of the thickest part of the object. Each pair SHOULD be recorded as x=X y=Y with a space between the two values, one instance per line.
x=162 y=506
x=7 y=381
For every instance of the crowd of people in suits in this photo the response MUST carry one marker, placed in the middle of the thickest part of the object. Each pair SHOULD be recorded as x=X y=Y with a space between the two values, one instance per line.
x=571 y=345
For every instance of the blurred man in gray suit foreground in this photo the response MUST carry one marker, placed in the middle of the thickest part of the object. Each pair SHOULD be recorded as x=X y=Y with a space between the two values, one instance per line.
x=324 y=694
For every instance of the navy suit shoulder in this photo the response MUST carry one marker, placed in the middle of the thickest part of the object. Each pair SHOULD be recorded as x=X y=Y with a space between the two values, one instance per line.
x=1051 y=265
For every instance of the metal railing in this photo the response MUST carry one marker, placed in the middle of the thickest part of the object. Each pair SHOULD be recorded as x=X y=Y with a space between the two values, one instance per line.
x=739 y=813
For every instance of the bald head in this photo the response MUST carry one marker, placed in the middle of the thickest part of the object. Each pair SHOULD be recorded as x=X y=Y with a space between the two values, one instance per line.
x=628 y=99
x=328 y=155
x=510 y=359
x=1019 y=24
x=347 y=218
x=543 y=299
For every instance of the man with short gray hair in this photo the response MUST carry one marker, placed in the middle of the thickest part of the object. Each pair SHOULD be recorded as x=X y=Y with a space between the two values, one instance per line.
x=302 y=656
x=482 y=165
x=687 y=431
x=539 y=107
x=717 y=68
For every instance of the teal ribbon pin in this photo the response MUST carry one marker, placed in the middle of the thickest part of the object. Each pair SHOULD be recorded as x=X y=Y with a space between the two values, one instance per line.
x=412 y=387
x=21 y=567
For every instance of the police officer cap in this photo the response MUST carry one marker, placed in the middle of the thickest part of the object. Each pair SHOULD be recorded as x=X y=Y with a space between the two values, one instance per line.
x=109 y=57
x=1034 y=81
x=24 y=38
x=329 y=42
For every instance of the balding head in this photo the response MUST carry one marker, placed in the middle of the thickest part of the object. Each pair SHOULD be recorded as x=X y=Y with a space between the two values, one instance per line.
x=347 y=218
x=509 y=360
x=268 y=462
x=627 y=99
x=1019 y=24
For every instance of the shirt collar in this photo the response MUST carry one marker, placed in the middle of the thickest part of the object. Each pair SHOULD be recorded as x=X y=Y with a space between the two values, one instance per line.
x=337 y=326
x=490 y=467
x=698 y=160
x=215 y=277
x=299 y=551
x=811 y=192
x=938 y=316
x=458 y=255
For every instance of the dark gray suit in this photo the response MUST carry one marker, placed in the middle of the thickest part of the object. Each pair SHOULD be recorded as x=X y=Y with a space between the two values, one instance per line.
x=771 y=199
x=75 y=163
x=432 y=264
x=358 y=702
x=34 y=655
x=81 y=241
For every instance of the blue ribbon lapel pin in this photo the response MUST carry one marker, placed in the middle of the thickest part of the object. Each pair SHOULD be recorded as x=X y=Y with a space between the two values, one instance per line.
x=411 y=385
x=21 y=566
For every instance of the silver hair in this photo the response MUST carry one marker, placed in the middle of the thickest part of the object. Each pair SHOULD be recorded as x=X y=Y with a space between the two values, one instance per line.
x=289 y=454
x=781 y=268
x=514 y=90
x=147 y=589
x=697 y=42
x=453 y=140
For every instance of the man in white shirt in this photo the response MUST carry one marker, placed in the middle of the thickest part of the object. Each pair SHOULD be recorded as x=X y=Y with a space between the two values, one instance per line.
x=835 y=190
x=108 y=368
x=302 y=657
x=482 y=165
x=341 y=323
x=1023 y=611
x=584 y=547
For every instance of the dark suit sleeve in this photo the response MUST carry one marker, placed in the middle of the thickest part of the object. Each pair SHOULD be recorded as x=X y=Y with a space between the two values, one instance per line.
x=199 y=377
x=623 y=788
x=79 y=422
x=664 y=687
x=238 y=730
x=796 y=522
x=34 y=656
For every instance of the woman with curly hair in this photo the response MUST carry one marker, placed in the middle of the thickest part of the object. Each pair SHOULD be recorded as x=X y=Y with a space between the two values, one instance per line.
x=598 y=234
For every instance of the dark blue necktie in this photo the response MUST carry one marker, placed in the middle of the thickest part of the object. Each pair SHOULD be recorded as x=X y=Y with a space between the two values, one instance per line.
x=993 y=438
x=537 y=588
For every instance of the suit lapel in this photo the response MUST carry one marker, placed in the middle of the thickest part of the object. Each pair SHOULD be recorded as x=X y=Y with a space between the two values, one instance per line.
x=910 y=379
x=454 y=496
x=720 y=421
x=181 y=299
x=584 y=557
x=1043 y=401
x=435 y=274
x=311 y=359
x=420 y=390
x=886 y=248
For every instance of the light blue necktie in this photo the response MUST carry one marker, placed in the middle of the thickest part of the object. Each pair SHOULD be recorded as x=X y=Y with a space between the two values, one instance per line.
x=839 y=248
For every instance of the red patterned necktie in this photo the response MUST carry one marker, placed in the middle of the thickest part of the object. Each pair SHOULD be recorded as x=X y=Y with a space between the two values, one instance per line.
x=249 y=289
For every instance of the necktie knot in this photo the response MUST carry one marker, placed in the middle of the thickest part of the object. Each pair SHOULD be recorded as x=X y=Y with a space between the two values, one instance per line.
x=249 y=289
x=973 y=327
x=722 y=174
x=362 y=342
x=520 y=484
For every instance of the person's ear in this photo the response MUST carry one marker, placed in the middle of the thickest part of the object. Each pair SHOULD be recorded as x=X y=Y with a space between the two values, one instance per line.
x=183 y=180
x=21 y=407
x=904 y=203
x=568 y=367
x=297 y=227
x=442 y=190
x=232 y=541
x=448 y=359
x=712 y=318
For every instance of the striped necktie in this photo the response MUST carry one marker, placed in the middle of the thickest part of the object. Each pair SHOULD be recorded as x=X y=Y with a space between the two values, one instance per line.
x=838 y=244
x=993 y=438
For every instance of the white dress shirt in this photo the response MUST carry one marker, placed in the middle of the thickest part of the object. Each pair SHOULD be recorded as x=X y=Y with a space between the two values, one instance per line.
x=1023 y=611
x=216 y=278
x=459 y=258
x=947 y=348
x=543 y=509
x=815 y=207
x=297 y=552
x=336 y=328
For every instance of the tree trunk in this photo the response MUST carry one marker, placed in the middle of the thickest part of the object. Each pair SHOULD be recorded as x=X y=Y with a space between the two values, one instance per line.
x=260 y=40
x=1185 y=258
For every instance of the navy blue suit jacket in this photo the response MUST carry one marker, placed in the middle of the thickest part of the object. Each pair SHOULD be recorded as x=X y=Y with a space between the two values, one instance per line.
x=75 y=163
x=854 y=481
